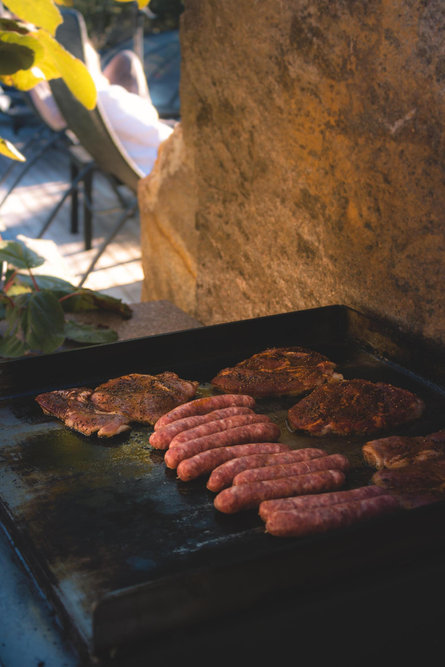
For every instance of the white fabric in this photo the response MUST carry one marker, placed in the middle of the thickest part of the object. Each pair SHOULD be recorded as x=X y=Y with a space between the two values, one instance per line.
x=136 y=122
x=133 y=118
x=46 y=106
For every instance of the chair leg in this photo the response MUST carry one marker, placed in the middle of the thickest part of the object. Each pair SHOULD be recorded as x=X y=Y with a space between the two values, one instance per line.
x=88 y=209
x=74 y=218
x=128 y=213
x=80 y=176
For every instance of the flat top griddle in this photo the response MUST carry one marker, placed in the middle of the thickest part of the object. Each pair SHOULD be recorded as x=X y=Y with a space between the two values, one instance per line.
x=123 y=549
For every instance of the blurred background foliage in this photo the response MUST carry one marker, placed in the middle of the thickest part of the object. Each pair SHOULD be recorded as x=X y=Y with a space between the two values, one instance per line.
x=109 y=22
x=29 y=51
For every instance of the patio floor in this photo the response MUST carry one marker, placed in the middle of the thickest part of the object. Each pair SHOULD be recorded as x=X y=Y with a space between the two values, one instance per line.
x=118 y=272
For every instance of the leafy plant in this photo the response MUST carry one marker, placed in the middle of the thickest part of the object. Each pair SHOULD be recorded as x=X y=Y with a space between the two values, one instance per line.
x=29 y=53
x=34 y=306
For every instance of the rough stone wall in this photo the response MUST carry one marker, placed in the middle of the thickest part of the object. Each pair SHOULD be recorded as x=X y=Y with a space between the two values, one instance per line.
x=168 y=234
x=316 y=131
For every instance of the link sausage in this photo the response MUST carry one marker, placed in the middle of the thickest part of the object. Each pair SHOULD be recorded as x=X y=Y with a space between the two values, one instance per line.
x=218 y=425
x=318 y=500
x=332 y=462
x=248 y=496
x=296 y=523
x=223 y=475
x=161 y=438
x=261 y=432
x=206 y=461
x=200 y=406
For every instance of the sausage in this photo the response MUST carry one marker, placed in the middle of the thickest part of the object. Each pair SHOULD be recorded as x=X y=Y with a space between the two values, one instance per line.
x=248 y=496
x=161 y=438
x=261 y=432
x=318 y=500
x=223 y=475
x=206 y=461
x=200 y=406
x=297 y=523
x=332 y=462
x=218 y=425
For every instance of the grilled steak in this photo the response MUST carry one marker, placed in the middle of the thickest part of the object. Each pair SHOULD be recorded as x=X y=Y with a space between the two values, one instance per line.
x=425 y=476
x=354 y=407
x=143 y=398
x=75 y=409
x=276 y=371
x=398 y=451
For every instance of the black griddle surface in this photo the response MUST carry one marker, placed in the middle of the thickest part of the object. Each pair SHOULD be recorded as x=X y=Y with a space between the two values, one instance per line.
x=122 y=548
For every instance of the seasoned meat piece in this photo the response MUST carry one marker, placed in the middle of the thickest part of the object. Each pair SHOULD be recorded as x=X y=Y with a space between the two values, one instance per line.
x=202 y=406
x=248 y=496
x=425 y=476
x=208 y=460
x=276 y=371
x=162 y=437
x=299 y=523
x=143 y=398
x=397 y=451
x=354 y=407
x=303 y=503
x=331 y=462
x=75 y=409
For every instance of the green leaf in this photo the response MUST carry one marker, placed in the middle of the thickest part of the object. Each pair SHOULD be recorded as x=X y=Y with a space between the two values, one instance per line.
x=58 y=285
x=73 y=71
x=14 y=56
x=16 y=289
x=17 y=254
x=43 y=322
x=82 y=299
x=11 y=346
x=43 y=13
x=86 y=300
x=87 y=333
x=141 y=3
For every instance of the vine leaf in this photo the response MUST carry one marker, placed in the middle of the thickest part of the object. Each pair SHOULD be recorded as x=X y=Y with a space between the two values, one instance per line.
x=43 y=322
x=88 y=334
x=18 y=255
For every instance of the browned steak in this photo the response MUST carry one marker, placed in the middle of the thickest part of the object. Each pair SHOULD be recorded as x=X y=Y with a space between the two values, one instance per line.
x=398 y=451
x=276 y=371
x=425 y=476
x=354 y=407
x=143 y=398
x=75 y=409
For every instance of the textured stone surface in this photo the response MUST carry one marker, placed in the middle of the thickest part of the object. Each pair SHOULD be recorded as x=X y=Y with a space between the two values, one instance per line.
x=168 y=234
x=316 y=131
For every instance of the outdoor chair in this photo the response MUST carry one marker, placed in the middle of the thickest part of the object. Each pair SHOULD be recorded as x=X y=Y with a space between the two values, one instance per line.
x=43 y=138
x=99 y=149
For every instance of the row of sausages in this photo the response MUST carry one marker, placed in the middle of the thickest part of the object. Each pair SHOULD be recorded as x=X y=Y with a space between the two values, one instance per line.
x=223 y=437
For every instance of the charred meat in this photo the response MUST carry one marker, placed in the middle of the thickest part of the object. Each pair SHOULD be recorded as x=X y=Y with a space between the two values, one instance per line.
x=354 y=407
x=75 y=409
x=276 y=371
x=143 y=398
x=421 y=477
x=398 y=451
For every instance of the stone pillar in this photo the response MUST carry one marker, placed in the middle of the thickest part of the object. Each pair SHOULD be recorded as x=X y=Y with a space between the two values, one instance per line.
x=168 y=235
x=316 y=132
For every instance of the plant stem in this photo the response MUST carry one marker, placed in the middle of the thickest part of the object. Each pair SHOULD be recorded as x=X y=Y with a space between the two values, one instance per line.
x=36 y=287
x=68 y=296
x=10 y=281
